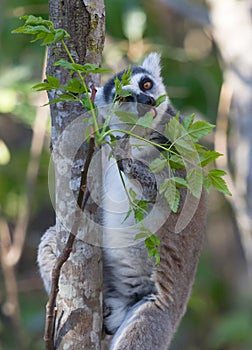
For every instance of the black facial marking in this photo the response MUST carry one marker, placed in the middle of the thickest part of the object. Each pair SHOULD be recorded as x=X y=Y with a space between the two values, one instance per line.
x=146 y=81
x=108 y=87
x=146 y=99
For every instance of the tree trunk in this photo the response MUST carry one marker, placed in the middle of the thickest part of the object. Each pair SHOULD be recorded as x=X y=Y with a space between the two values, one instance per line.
x=232 y=31
x=79 y=301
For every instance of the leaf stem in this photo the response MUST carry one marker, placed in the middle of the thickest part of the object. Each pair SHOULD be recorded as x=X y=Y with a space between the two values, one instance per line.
x=92 y=110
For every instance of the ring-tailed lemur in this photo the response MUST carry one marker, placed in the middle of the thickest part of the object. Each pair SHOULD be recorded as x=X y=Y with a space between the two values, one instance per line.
x=144 y=303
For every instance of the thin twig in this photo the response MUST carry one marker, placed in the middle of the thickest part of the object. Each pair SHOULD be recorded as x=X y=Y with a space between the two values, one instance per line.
x=80 y=200
x=63 y=257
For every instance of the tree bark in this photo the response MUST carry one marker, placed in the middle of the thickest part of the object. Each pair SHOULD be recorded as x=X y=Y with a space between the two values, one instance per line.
x=79 y=301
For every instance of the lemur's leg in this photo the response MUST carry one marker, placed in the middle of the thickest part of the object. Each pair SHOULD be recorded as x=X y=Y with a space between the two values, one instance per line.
x=47 y=251
x=146 y=327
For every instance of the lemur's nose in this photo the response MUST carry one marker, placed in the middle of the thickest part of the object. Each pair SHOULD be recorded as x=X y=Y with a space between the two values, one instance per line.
x=146 y=99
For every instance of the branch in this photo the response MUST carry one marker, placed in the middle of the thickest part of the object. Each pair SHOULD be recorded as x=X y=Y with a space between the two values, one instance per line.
x=194 y=13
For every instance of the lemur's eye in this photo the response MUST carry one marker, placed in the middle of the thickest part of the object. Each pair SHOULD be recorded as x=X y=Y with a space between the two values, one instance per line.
x=146 y=84
x=120 y=99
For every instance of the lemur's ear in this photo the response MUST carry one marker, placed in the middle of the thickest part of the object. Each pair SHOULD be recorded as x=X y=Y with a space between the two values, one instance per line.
x=152 y=64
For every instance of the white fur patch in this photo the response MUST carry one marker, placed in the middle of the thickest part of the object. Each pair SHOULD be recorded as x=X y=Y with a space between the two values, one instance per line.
x=152 y=64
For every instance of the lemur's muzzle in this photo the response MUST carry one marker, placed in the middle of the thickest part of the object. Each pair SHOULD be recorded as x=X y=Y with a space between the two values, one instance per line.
x=145 y=104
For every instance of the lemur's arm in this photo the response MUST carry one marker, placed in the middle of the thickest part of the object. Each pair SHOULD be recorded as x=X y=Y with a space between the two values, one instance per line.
x=134 y=168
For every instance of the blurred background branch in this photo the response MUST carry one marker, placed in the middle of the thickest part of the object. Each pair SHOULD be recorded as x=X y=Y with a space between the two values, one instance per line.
x=233 y=33
x=12 y=240
x=24 y=212
x=195 y=13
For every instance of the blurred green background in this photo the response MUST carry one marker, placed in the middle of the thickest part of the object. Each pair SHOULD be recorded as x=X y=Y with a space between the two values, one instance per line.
x=219 y=315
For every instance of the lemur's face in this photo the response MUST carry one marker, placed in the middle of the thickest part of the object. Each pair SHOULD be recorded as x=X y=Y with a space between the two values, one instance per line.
x=145 y=87
x=143 y=91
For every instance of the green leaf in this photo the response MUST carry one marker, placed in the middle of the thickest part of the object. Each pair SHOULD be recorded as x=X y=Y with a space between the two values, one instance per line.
x=93 y=68
x=176 y=162
x=181 y=140
x=60 y=34
x=215 y=177
x=217 y=172
x=143 y=204
x=194 y=178
x=157 y=165
x=140 y=235
x=126 y=117
x=139 y=215
x=187 y=122
x=163 y=186
x=157 y=256
x=145 y=121
x=33 y=20
x=126 y=77
x=151 y=243
x=172 y=195
x=207 y=183
x=65 y=64
x=133 y=194
x=48 y=39
x=74 y=86
x=173 y=129
x=32 y=30
x=180 y=182
x=75 y=67
x=118 y=85
x=85 y=68
x=154 y=239
x=42 y=30
x=147 y=232
x=160 y=100
x=124 y=93
x=62 y=98
x=52 y=83
x=67 y=97
x=87 y=104
x=128 y=213
x=42 y=87
x=207 y=156
x=185 y=147
x=199 y=129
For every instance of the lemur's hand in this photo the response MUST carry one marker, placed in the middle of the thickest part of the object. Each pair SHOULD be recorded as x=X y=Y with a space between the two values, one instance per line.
x=122 y=153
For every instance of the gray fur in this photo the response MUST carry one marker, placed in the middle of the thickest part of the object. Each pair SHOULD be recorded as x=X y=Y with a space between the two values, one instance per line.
x=143 y=304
